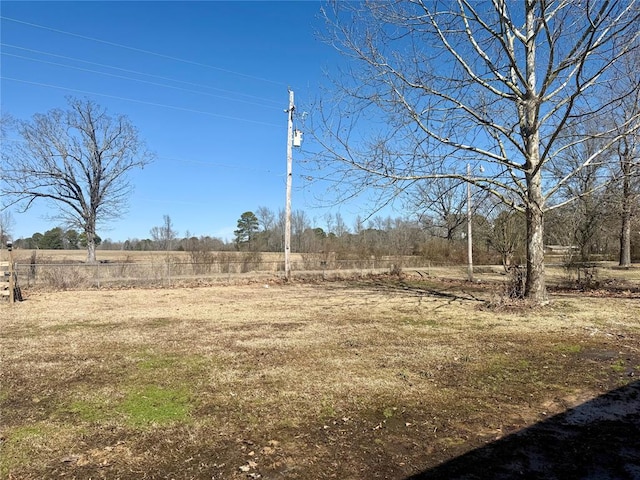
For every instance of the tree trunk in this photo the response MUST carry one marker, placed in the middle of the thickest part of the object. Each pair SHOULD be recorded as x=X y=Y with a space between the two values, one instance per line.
x=91 y=251
x=90 y=232
x=535 y=287
x=625 y=242
x=625 y=231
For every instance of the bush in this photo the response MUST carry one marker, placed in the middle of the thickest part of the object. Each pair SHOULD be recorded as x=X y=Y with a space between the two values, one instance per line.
x=396 y=269
x=224 y=260
x=443 y=251
x=516 y=283
x=64 y=277
x=250 y=261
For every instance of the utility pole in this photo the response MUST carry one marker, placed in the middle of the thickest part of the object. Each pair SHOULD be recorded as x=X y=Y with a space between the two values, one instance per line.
x=469 y=228
x=287 y=224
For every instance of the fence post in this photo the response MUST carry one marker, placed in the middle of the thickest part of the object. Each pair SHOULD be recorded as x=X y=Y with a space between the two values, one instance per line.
x=12 y=280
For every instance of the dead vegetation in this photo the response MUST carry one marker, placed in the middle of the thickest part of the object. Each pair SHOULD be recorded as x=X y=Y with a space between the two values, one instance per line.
x=379 y=378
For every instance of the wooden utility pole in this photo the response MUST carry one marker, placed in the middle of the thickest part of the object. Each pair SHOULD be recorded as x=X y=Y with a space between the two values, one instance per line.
x=287 y=223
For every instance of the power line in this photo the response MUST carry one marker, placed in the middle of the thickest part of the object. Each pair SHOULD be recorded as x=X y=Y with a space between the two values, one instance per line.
x=223 y=165
x=201 y=163
x=85 y=92
x=138 y=80
x=113 y=67
x=140 y=50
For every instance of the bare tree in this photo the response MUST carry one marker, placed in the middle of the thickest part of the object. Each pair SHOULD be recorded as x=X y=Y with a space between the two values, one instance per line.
x=266 y=217
x=341 y=227
x=437 y=85
x=507 y=236
x=441 y=205
x=584 y=189
x=6 y=224
x=78 y=159
x=165 y=235
x=627 y=151
x=270 y=235
x=299 y=223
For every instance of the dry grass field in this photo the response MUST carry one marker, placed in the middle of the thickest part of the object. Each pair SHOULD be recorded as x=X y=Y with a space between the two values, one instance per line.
x=375 y=378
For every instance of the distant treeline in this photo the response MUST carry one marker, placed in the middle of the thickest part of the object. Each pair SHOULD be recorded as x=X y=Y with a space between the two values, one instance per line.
x=498 y=238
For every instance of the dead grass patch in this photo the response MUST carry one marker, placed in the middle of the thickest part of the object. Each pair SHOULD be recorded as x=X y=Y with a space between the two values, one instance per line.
x=347 y=380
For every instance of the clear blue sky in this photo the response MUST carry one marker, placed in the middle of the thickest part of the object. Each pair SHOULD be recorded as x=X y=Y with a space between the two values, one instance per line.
x=205 y=83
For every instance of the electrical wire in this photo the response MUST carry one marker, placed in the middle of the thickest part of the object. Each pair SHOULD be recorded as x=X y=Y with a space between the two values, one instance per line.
x=201 y=163
x=138 y=80
x=222 y=165
x=148 y=52
x=113 y=67
x=85 y=92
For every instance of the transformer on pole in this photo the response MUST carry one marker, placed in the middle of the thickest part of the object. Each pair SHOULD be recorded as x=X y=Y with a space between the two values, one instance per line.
x=287 y=225
x=294 y=139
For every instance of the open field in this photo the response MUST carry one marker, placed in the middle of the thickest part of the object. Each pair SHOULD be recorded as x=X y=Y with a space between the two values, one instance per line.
x=375 y=378
x=66 y=269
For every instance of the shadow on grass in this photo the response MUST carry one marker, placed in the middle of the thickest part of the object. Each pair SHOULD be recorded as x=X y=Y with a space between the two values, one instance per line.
x=599 y=439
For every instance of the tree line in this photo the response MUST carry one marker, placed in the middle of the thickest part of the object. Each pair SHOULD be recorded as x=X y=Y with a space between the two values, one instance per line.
x=56 y=239
x=590 y=227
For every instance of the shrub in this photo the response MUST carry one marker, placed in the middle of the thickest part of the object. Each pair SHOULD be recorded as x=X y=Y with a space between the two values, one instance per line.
x=516 y=283
x=250 y=261
x=224 y=260
x=64 y=277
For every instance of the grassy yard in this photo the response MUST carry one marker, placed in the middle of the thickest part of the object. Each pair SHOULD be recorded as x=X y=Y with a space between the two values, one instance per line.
x=352 y=380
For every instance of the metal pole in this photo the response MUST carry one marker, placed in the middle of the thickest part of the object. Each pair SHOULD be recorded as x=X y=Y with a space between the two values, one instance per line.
x=469 y=227
x=287 y=224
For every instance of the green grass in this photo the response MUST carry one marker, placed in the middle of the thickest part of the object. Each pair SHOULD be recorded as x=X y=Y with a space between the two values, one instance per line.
x=388 y=412
x=138 y=406
x=157 y=390
x=618 y=366
x=156 y=405
x=22 y=443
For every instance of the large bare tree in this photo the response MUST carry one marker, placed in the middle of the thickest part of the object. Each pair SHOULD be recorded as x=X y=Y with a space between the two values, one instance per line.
x=627 y=151
x=78 y=159
x=582 y=192
x=436 y=86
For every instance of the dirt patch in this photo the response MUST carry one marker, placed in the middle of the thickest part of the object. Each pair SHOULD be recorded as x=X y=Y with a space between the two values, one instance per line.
x=350 y=380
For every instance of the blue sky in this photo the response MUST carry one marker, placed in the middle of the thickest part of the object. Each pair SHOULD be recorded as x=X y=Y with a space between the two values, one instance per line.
x=206 y=85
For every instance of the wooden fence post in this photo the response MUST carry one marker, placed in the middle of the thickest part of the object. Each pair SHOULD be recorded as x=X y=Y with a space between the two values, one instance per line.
x=12 y=283
x=12 y=280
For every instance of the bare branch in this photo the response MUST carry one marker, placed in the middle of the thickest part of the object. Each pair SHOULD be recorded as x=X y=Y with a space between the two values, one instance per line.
x=78 y=160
